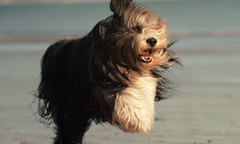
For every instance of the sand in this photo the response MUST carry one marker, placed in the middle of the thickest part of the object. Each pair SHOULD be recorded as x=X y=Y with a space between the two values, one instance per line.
x=204 y=108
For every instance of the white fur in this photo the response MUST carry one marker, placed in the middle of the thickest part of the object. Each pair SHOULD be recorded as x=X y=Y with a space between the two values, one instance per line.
x=134 y=106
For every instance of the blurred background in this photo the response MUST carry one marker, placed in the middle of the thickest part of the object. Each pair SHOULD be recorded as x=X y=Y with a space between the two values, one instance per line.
x=204 y=108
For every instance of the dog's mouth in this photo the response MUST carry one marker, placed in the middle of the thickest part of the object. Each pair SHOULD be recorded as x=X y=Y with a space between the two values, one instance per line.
x=149 y=54
x=146 y=58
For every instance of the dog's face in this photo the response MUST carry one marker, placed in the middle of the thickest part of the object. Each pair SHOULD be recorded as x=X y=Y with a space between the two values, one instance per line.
x=150 y=40
x=136 y=37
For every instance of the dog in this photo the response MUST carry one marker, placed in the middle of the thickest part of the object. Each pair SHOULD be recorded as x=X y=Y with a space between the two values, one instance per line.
x=113 y=74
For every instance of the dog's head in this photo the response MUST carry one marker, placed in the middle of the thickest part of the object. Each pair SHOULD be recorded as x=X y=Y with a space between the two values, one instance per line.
x=132 y=39
x=135 y=37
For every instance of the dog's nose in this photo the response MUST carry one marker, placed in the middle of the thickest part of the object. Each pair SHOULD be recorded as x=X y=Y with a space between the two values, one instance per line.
x=151 y=41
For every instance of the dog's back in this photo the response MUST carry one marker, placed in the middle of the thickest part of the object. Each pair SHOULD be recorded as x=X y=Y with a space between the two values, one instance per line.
x=63 y=87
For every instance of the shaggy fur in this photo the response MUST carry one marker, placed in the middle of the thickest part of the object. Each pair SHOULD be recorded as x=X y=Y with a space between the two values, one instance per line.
x=113 y=74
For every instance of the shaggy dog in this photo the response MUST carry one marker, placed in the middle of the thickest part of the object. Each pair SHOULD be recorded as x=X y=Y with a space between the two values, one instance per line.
x=113 y=74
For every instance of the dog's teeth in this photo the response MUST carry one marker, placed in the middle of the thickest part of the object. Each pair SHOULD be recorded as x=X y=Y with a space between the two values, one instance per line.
x=146 y=59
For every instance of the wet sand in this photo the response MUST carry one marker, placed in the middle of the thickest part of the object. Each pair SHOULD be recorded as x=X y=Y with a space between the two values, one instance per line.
x=204 y=108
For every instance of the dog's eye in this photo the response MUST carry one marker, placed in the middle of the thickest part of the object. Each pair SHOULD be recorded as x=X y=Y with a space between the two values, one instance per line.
x=137 y=29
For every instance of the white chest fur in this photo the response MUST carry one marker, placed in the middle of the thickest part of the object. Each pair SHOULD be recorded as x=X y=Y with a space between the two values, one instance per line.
x=134 y=106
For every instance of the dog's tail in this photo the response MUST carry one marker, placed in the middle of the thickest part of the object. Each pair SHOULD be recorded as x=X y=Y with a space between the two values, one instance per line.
x=49 y=87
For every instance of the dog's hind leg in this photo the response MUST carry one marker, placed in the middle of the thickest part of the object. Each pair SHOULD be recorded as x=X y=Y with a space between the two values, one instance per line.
x=69 y=132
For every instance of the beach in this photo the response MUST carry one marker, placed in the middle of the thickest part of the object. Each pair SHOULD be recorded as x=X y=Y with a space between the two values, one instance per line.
x=203 y=107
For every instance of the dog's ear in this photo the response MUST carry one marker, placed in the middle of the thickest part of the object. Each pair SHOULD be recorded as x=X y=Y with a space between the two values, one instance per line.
x=119 y=6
